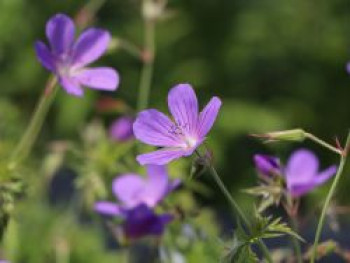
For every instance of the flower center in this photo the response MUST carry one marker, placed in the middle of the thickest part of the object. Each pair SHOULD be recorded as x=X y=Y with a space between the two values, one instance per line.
x=64 y=65
x=179 y=129
x=190 y=141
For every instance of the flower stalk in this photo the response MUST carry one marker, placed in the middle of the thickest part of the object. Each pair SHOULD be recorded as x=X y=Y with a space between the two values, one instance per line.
x=323 y=143
x=234 y=205
x=23 y=148
x=329 y=197
x=148 y=62
x=295 y=241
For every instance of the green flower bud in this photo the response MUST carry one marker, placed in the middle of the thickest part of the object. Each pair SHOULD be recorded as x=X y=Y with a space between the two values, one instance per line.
x=297 y=135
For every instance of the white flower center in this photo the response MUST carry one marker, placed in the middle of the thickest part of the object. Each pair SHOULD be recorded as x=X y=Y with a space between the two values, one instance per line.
x=190 y=142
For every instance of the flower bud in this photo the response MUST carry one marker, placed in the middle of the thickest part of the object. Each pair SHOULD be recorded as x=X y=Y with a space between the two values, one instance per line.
x=267 y=165
x=297 y=135
x=153 y=9
x=121 y=129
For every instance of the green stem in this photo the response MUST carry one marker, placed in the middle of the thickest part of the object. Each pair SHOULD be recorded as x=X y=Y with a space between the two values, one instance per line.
x=236 y=208
x=323 y=143
x=130 y=48
x=29 y=137
x=295 y=241
x=147 y=70
x=328 y=200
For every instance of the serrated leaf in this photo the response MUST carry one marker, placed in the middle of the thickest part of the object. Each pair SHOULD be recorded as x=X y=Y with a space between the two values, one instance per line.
x=266 y=227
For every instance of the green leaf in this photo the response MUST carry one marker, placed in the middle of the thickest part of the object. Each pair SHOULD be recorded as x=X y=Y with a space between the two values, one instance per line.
x=266 y=227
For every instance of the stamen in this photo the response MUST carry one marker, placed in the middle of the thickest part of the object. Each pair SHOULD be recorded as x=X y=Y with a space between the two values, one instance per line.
x=177 y=129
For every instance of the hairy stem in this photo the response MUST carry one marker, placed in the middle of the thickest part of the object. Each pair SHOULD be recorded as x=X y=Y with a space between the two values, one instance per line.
x=328 y=200
x=323 y=143
x=235 y=206
x=295 y=241
x=147 y=69
x=23 y=148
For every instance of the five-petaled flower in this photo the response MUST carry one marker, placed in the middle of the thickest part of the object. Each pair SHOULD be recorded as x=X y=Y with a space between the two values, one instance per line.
x=180 y=137
x=301 y=172
x=137 y=197
x=68 y=59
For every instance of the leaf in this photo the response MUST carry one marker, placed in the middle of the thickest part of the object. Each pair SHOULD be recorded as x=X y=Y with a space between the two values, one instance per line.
x=266 y=227
x=270 y=195
x=239 y=250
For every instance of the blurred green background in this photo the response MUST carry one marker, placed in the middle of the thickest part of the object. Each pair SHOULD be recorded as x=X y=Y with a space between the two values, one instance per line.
x=275 y=64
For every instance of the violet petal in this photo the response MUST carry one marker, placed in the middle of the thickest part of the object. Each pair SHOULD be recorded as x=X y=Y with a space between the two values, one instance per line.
x=128 y=188
x=107 y=208
x=60 y=32
x=157 y=184
x=183 y=105
x=44 y=56
x=160 y=157
x=91 y=44
x=301 y=167
x=208 y=116
x=102 y=78
x=71 y=86
x=155 y=128
x=267 y=165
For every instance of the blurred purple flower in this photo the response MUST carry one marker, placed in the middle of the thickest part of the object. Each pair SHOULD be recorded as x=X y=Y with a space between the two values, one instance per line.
x=180 y=137
x=121 y=129
x=141 y=221
x=302 y=175
x=137 y=198
x=348 y=67
x=267 y=165
x=68 y=59
x=132 y=190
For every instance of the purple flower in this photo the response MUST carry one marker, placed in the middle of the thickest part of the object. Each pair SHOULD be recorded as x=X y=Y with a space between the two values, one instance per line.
x=68 y=59
x=121 y=129
x=132 y=190
x=137 y=198
x=267 y=165
x=180 y=137
x=302 y=175
x=142 y=221
x=348 y=67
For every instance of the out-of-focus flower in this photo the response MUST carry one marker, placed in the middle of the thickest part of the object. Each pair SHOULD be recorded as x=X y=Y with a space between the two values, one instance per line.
x=302 y=172
x=68 y=59
x=121 y=129
x=137 y=198
x=180 y=137
x=141 y=221
x=348 y=67
x=132 y=190
x=267 y=165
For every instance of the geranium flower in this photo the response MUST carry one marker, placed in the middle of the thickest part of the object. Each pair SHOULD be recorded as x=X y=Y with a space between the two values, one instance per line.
x=132 y=190
x=137 y=197
x=68 y=60
x=180 y=137
x=301 y=172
